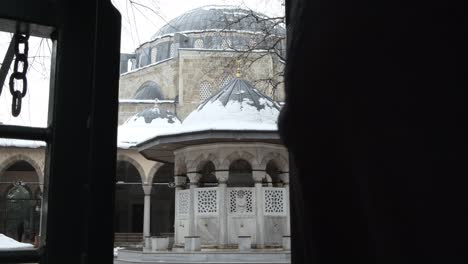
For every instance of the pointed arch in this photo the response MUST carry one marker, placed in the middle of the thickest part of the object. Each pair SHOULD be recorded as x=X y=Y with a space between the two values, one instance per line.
x=21 y=157
x=136 y=164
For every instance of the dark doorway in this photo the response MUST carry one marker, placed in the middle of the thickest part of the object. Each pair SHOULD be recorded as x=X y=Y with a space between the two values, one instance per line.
x=128 y=217
x=162 y=201
x=137 y=218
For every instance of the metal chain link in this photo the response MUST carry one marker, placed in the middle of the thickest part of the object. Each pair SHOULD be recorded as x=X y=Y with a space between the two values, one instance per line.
x=18 y=95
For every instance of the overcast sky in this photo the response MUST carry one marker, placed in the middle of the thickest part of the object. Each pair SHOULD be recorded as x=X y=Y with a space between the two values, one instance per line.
x=139 y=22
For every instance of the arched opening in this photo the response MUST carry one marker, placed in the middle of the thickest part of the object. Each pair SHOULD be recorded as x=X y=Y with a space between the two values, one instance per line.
x=20 y=202
x=240 y=174
x=274 y=174
x=149 y=91
x=163 y=202
x=128 y=216
x=208 y=176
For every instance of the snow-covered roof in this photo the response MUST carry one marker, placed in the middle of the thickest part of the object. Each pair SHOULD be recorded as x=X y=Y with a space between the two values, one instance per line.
x=237 y=106
x=217 y=17
x=19 y=143
x=8 y=243
x=146 y=124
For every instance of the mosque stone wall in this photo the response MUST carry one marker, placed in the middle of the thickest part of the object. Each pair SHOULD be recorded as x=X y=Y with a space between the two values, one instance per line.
x=165 y=74
x=215 y=68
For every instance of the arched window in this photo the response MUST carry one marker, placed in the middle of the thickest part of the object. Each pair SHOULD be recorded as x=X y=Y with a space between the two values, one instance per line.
x=273 y=172
x=154 y=54
x=240 y=174
x=140 y=60
x=198 y=44
x=19 y=207
x=204 y=90
x=20 y=212
x=208 y=176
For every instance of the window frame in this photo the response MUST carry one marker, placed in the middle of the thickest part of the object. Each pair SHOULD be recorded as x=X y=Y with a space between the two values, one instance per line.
x=78 y=183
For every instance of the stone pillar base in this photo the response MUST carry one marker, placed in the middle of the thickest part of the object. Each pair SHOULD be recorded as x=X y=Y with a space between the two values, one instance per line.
x=159 y=243
x=245 y=243
x=147 y=243
x=287 y=242
x=192 y=243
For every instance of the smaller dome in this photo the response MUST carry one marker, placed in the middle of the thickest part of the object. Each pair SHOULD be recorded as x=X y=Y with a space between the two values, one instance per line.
x=146 y=124
x=154 y=117
x=237 y=106
x=149 y=91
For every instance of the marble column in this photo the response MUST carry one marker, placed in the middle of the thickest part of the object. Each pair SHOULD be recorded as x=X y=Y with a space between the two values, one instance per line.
x=147 y=216
x=222 y=177
x=285 y=179
x=258 y=177
x=180 y=182
x=194 y=178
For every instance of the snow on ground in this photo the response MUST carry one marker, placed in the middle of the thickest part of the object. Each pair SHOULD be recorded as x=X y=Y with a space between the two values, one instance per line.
x=9 y=243
x=116 y=251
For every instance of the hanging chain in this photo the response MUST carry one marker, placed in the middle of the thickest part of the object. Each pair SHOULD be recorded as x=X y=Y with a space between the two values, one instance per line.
x=19 y=75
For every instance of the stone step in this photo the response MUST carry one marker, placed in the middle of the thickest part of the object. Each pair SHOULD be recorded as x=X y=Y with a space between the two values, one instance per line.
x=128 y=237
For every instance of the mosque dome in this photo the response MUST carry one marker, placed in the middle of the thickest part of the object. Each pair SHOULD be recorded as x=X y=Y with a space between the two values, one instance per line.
x=215 y=27
x=218 y=17
x=237 y=106
x=146 y=124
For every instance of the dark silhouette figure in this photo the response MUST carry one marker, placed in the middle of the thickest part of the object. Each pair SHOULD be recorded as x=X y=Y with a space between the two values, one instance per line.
x=20 y=231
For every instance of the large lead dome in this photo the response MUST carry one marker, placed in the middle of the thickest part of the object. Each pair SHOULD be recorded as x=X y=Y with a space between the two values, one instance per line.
x=219 y=17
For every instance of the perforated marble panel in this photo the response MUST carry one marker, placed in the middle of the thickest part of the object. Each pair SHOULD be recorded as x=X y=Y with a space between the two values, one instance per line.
x=205 y=91
x=226 y=44
x=198 y=44
x=172 y=51
x=207 y=201
x=225 y=80
x=241 y=201
x=274 y=199
x=183 y=202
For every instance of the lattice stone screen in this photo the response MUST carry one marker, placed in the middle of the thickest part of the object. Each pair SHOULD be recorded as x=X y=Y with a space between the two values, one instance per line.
x=205 y=91
x=225 y=80
x=274 y=201
x=226 y=44
x=183 y=198
x=172 y=51
x=207 y=200
x=241 y=200
x=198 y=44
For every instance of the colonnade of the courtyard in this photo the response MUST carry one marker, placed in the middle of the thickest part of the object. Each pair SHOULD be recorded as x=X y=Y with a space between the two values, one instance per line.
x=261 y=165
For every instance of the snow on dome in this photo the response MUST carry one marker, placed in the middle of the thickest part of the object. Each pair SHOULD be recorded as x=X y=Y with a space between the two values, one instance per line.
x=146 y=124
x=9 y=243
x=153 y=117
x=237 y=106
x=218 y=17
